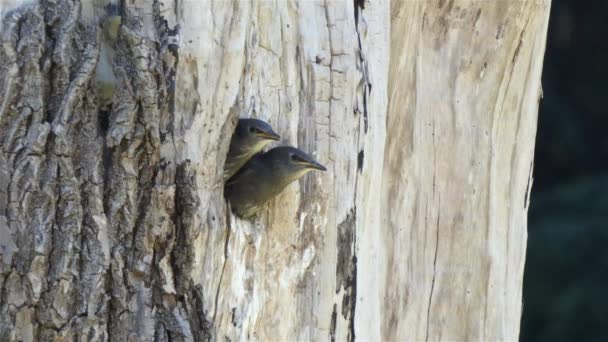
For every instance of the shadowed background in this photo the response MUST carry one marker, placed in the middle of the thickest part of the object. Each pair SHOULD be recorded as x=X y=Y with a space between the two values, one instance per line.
x=566 y=274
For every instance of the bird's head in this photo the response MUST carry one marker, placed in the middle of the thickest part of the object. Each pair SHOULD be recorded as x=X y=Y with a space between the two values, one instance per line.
x=254 y=132
x=291 y=163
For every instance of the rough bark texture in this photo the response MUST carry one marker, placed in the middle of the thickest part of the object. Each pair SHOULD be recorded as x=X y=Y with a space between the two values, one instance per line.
x=115 y=119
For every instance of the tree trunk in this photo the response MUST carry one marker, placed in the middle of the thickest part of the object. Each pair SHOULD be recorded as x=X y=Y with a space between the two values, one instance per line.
x=114 y=124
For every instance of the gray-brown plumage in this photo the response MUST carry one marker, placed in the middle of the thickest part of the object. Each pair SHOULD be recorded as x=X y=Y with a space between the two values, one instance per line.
x=264 y=176
x=249 y=138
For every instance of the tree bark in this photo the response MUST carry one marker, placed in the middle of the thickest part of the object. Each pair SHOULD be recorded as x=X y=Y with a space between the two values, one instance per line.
x=115 y=119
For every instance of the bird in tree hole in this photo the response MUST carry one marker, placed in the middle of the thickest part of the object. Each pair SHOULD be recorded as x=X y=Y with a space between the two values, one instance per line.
x=249 y=138
x=264 y=176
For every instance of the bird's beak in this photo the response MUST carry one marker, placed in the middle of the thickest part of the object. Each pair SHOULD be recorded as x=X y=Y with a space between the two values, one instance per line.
x=311 y=164
x=270 y=135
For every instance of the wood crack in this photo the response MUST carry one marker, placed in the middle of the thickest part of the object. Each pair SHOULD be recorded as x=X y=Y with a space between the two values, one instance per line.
x=227 y=240
x=428 y=311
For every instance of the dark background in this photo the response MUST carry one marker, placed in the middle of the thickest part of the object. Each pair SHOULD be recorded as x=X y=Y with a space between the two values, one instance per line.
x=566 y=276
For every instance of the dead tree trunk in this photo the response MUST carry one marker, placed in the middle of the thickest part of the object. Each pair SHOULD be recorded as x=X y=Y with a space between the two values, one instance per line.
x=114 y=123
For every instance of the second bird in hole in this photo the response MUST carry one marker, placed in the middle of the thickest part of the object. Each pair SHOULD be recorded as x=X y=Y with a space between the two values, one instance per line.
x=250 y=137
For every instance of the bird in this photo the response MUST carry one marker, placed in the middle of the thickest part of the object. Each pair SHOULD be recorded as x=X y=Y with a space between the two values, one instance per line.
x=264 y=176
x=250 y=137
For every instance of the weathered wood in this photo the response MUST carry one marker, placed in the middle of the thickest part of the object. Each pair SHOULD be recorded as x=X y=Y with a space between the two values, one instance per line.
x=458 y=166
x=114 y=124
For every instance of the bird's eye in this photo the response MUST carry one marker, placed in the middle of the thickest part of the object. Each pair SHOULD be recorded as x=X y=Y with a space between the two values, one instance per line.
x=252 y=129
x=296 y=158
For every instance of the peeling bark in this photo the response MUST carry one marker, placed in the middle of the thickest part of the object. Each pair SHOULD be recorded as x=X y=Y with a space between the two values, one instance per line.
x=115 y=118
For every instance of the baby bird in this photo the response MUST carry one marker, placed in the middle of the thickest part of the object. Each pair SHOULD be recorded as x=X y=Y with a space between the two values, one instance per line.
x=264 y=176
x=249 y=138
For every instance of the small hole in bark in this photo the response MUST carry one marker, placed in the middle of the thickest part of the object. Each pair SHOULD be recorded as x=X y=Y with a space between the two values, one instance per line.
x=318 y=60
x=360 y=161
x=104 y=120
x=358 y=5
x=113 y=9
